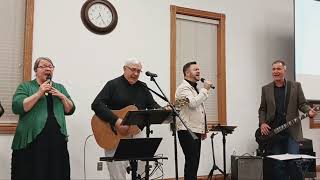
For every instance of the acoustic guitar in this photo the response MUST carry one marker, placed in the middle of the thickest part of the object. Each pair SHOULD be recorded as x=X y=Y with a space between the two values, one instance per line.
x=104 y=135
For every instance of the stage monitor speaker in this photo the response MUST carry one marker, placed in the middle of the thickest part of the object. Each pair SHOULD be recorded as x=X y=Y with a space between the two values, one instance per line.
x=306 y=147
x=246 y=168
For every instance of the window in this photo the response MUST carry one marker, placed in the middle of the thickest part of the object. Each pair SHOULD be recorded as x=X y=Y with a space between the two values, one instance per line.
x=315 y=122
x=187 y=22
x=16 y=34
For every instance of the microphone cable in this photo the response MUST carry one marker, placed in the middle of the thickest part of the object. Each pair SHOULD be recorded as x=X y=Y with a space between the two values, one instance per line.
x=84 y=156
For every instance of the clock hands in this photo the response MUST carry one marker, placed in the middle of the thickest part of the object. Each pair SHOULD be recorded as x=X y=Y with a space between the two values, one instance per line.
x=102 y=19
x=99 y=16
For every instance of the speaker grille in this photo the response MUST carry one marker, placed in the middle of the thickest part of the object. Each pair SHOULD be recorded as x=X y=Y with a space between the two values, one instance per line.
x=246 y=168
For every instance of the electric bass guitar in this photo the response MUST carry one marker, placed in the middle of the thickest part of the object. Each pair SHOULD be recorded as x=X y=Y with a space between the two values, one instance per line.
x=265 y=140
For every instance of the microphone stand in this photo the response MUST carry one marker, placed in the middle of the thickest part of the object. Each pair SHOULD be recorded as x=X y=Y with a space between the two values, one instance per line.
x=173 y=124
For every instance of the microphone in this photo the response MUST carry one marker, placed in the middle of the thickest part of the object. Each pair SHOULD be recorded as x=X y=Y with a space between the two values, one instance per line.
x=202 y=80
x=49 y=77
x=148 y=73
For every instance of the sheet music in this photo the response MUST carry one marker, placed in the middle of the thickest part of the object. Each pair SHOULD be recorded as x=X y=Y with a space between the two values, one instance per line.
x=291 y=156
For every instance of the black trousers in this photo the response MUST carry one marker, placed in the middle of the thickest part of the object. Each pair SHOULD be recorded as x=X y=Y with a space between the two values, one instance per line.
x=191 y=149
x=46 y=158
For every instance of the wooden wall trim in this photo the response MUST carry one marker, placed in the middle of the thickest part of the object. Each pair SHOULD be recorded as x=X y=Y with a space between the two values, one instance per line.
x=198 y=13
x=173 y=55
x=28 y=40
x=8 y=128
x=221 y=55
x=313 y=124
x=220 y=176
x=215 y=177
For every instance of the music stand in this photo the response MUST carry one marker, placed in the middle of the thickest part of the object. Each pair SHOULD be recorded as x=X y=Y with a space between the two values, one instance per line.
x=144 y=118
x=140 y=149
x=225 y=130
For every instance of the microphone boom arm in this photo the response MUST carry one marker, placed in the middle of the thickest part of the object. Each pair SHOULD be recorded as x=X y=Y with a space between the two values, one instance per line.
x=164 y=97
x=173 y=125
x=159 y=95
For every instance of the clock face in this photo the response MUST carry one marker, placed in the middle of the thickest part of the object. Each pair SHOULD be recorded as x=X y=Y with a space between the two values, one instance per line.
x=100 y=15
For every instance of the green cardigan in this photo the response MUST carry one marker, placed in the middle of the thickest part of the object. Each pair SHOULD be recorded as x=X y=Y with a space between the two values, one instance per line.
x=32 y=122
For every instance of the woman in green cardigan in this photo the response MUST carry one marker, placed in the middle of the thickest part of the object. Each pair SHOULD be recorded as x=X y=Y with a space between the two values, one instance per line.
x=40 y=142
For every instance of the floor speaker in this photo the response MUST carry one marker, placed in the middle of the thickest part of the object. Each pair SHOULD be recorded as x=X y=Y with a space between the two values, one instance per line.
x=306 y=147
x=246 y=168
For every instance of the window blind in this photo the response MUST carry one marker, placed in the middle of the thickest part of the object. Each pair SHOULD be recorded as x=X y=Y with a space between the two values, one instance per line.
x=12 y=18
x=197 y=41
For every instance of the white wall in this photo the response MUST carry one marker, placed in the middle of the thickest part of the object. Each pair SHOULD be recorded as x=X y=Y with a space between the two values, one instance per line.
x=256 y=33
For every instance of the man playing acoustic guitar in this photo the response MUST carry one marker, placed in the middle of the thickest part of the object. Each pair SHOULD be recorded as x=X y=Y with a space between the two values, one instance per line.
x=281 y=101
x=118 y=94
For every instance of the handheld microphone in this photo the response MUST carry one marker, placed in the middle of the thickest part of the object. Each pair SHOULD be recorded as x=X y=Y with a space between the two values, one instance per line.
x=49 y=77
x=202 y=80
x=148 y=73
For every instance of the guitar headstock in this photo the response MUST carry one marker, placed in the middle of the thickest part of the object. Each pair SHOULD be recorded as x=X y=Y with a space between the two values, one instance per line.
x=181 y=102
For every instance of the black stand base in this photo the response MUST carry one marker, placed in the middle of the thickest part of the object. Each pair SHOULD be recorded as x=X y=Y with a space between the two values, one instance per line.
x=214 y=166
x=133 y=168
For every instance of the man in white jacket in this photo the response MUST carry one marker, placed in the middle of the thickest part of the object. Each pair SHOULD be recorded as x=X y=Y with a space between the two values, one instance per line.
x=194 y=117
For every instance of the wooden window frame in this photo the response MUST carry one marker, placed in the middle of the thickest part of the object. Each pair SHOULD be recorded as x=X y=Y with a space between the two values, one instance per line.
x=10 y=128
x=313 y=123
x=221 y=55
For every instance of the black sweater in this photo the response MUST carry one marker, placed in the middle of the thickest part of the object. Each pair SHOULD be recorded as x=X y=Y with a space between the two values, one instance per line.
x=118 y=94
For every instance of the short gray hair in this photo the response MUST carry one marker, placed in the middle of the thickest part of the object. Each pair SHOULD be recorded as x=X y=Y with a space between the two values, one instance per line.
x=131 y=61
x=36 y=63
x=281 y=62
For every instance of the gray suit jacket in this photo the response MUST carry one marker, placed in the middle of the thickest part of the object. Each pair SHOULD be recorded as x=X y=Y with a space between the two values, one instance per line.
x=297 y=102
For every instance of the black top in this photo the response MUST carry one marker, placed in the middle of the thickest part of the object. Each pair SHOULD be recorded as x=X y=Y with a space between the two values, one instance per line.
x=280 y=96
x=193 y=84
x=118 y=94
x=52 y=128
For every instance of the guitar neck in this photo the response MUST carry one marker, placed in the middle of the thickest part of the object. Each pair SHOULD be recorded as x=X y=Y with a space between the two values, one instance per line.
x=289 y=124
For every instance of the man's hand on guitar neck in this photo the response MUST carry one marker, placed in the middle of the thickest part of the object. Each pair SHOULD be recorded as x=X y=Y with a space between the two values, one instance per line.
x=312 y=113
x=122 y=129
x=265 y=129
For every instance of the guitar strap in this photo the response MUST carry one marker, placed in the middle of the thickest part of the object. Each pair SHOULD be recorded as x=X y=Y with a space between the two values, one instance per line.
x=288 y=91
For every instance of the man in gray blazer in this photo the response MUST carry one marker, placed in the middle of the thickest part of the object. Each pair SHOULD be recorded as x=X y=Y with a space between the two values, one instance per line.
x=281 y=101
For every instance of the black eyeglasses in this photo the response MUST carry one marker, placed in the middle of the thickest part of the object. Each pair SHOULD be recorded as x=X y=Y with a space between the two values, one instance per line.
x=134 y=69
x=43 y=67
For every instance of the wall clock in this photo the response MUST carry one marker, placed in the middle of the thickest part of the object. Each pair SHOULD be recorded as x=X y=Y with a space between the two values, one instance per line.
x=99 y=16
